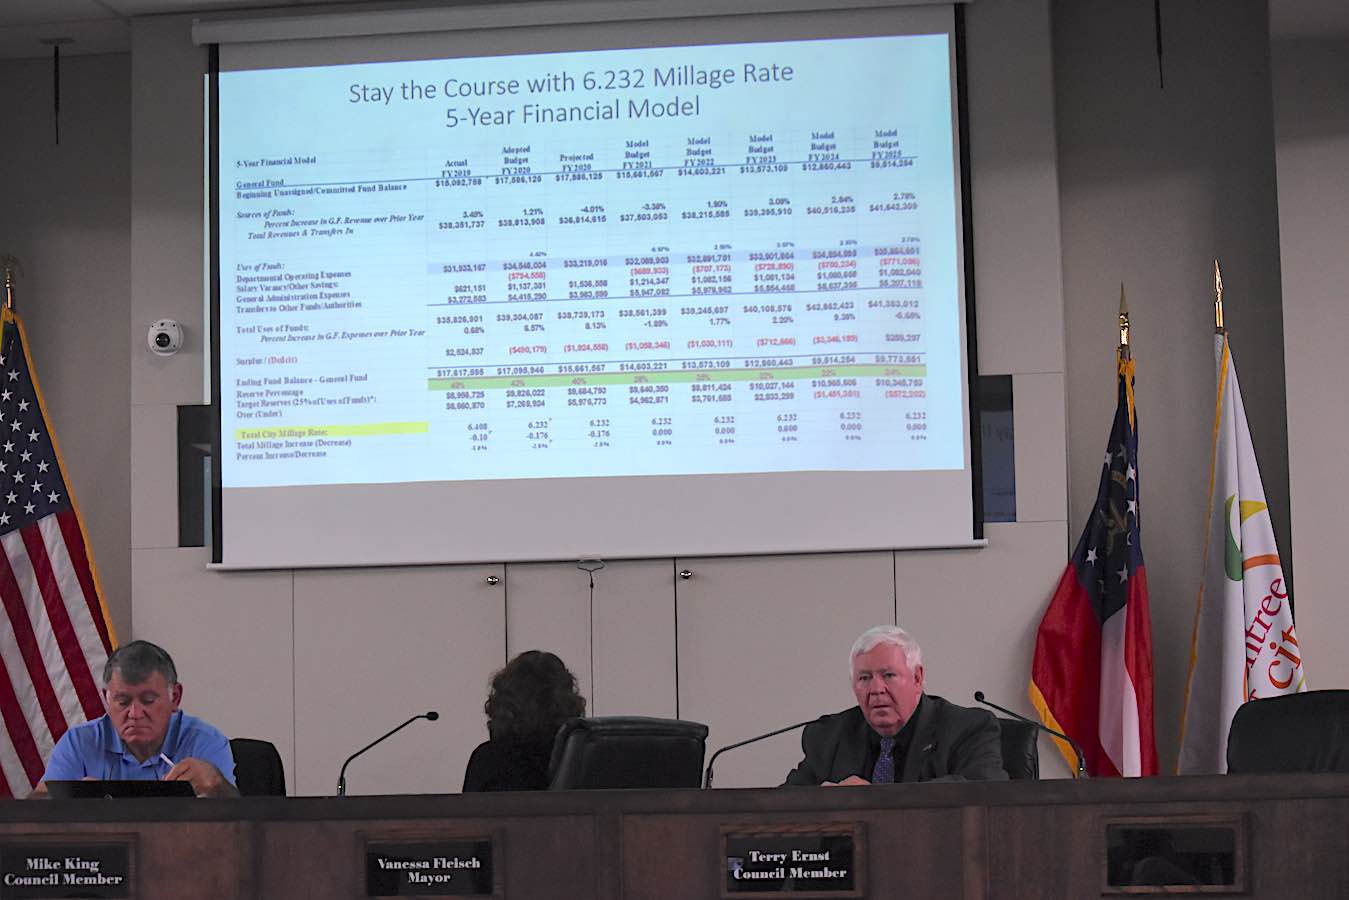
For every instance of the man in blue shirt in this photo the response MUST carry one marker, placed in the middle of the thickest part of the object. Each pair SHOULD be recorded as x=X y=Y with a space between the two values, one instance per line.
x=144 y=735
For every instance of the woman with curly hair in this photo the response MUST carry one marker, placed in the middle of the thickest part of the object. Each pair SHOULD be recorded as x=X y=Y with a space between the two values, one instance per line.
x=528 y=701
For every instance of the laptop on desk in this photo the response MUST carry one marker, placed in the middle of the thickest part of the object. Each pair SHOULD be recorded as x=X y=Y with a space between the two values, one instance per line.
x=95 y=790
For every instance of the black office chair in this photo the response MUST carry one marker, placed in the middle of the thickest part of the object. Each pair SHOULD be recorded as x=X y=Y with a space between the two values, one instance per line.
x=1020 y=749
x=1306 y=732
x=258 y=771
x=627 y=752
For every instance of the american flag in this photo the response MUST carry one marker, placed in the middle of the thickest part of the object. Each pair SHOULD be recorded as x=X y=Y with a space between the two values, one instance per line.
x=54 y=633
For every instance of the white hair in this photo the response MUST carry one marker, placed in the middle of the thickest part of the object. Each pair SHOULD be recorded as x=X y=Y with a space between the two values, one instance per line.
x=887 y=634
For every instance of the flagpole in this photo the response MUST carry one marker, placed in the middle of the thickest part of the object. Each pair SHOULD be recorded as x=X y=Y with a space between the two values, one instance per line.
x=1218 y=326
x=1240 y=567
x=1124 y=351
x=9 y=263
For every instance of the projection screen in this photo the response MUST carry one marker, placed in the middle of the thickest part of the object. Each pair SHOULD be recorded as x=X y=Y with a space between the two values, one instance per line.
x=613 y=288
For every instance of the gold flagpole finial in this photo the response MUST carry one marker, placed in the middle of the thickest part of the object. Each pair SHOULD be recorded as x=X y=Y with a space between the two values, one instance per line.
x=9 y=264
x=1123 y=323
x=1218 y=325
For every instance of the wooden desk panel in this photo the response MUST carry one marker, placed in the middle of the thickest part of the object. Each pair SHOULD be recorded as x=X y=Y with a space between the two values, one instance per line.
x=1038 y=840
x=914 y=853
x=542 y=857
x=1300 y=848
x=172 y=860
x=1036 y=853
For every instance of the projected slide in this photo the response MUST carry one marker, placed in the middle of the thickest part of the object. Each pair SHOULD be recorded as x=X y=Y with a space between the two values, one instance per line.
x=675 y=261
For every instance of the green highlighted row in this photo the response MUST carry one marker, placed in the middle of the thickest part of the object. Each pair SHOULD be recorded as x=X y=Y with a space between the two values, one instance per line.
x=676 y=376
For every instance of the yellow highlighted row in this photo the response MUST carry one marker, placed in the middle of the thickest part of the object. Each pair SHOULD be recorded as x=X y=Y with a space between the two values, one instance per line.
x=364 y=429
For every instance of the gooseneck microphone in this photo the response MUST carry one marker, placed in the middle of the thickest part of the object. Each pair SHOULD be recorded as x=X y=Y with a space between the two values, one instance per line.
x=1081 y=760
x=707 y=778
x=342 y=776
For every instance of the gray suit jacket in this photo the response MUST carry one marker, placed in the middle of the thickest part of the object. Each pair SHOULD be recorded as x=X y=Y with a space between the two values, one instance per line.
x=950 y=743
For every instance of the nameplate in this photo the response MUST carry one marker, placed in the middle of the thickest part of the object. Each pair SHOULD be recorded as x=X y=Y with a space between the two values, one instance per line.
x=428 y=868
x=1185 y=854
x=793 y=861
x=34 y=871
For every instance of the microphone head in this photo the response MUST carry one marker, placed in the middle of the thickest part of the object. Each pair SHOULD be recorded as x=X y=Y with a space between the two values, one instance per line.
x=978 y=696
x=432 y=716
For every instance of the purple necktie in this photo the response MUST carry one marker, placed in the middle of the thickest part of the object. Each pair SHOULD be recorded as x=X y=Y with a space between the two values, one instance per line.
x=885 y=763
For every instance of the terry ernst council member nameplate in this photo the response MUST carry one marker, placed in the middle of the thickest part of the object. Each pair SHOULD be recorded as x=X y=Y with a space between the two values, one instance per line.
x=793 y=861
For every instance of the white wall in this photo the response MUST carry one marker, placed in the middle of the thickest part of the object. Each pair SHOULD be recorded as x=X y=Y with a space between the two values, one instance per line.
x=1311 y=119
x=66 y=214
x=1155 y=183
x=743 y=645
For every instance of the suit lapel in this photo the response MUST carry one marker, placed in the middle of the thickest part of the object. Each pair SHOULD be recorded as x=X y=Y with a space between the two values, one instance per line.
x=852 y=752
x=924 y=742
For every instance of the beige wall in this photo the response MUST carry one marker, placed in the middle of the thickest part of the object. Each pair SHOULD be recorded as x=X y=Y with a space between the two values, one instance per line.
x=65 y=212
x=1311 y=118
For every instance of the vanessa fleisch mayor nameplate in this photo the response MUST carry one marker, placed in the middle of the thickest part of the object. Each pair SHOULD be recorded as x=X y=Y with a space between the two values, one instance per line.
x=422 y=868
x=796 y=861
x=35 y=870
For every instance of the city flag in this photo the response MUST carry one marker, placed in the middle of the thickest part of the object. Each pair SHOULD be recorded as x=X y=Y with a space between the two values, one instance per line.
x=1244 y=646
x=1091 y=676
x=54 y=631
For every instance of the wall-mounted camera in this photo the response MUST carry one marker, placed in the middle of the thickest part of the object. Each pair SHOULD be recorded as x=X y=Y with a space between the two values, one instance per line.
x=166 y=337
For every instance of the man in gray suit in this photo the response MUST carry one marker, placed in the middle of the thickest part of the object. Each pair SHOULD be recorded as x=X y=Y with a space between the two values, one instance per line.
x=896 y=733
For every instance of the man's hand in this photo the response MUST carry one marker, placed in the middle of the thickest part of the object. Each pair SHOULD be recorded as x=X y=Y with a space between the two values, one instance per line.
x=205 y=778
x=847 y=782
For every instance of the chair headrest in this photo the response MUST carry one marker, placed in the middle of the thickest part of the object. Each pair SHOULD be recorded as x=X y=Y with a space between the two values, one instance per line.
x=1307 y=732
x=627 y=751
x=1020 y=749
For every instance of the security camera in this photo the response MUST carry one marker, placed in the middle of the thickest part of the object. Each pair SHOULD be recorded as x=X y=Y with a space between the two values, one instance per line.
x=166 y=337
